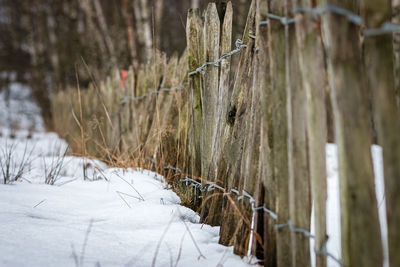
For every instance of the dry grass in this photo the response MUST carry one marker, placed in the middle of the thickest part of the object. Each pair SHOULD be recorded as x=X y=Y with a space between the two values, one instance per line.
x=90 y=131
x=52 y=171
x=12 y=165
x=148 y=134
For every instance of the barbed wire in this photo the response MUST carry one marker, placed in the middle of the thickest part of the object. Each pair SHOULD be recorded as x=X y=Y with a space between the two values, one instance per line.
x=283 y=20
x=210 y=186
x=239 y=45
x=386 y=28
x=324 y=251
x=354 y=18
x=294 y=229
x=152 y=92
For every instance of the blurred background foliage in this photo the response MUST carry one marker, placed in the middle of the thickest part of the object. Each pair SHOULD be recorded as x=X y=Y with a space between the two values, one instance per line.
x=52 y=44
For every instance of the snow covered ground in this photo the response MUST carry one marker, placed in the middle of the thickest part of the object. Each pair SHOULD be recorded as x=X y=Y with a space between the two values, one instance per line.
x=113 y=218
x=93 y=215
x=18 y=111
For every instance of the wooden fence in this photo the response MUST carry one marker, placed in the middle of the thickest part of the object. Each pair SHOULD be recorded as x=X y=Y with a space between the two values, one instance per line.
x=250 y=138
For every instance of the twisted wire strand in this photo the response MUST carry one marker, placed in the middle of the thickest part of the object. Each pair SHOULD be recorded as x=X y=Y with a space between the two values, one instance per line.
x=209 y=186
x=126 y=99
x=386 y=28
x=239 y=45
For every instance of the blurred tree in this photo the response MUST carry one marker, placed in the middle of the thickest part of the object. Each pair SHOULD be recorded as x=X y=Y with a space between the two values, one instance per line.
x=48 y=43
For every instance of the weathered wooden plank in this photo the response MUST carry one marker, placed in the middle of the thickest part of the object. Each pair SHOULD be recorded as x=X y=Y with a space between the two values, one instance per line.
x=215 y=214
x=234 y=132
x=359 y=213
x=106 y=96
x=209 y=90
x=396 y=48
x=209 y=95
x=115 y=109
x=183 y=116
x=299 y=180
x=379 y=66
x=266 y=152
x=161 y=130
x=279 y=132
x=250 y=160
x=137 y=107
x=154 y=73
x=195 y=59
x=130 y=87
x=314 y=82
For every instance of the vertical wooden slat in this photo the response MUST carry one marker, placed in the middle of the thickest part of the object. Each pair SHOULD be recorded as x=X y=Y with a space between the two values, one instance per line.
x=109 y=125
x=266 y=153
x=279 y=132
x=396 y=48
x=115 y=109
x=195 y=59
x=215 y=214
x=361 y=244
x=250 y=158
x=234 y=132
x=299 y=183
x=379 y=66
x=312 y=66
x=130 y=89
x=161 y=130
x=209 y=90
x=154 y=74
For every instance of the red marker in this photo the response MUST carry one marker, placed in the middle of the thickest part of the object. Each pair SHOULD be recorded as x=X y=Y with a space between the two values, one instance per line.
x=124 y=73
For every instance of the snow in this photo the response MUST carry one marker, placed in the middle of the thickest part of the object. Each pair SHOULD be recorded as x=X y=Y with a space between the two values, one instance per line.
x=133 y=216
x=94 y=215
x=377 y=157
x=333 y=204
x=18 y=111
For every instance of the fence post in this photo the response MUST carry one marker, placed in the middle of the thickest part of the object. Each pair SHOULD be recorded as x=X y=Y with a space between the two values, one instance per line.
x=154 y=73
x=183 y=116
x=299 y=180
x=279 y=132
x=246 y=236
x=234 y=137
x=209 y=94
x=266 y=149
x=209 y=90
x=195 y=59
x=109 y=122
x=361 y=237
x=379 y=66
x=215 y=214
x=161 y=132
x=116 y=108
x=396 y=46
x=312 y=66
x=130 y=89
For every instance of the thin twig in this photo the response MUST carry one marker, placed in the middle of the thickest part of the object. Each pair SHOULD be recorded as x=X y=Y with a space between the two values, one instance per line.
x=191 y=235
x=39 y=203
